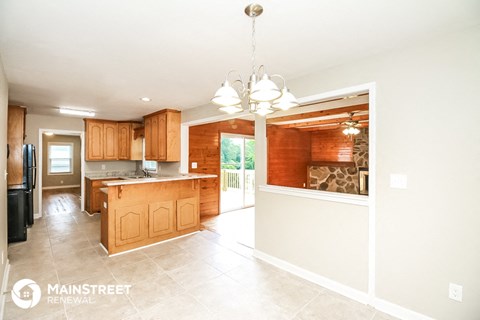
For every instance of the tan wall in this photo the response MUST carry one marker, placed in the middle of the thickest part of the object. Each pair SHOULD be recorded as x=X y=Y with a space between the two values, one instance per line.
x=426 y=235
x=3 y=168
x=62 y=179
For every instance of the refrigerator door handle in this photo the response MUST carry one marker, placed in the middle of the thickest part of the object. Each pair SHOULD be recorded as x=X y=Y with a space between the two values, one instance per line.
x=34 y=177
x=8 y=150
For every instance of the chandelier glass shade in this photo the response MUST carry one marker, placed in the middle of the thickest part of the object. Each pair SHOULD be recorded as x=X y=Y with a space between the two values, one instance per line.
x=260 y=95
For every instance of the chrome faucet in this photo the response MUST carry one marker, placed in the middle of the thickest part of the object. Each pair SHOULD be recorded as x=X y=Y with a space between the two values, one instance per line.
x=146 y=173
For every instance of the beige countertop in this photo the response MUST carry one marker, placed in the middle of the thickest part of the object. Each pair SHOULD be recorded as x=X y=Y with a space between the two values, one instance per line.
x=187 y=176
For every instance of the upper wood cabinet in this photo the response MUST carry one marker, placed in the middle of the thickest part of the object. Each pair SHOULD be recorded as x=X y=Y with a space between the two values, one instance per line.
x=15 y=137
x=129 y=147
x=111 y=140
x=162 y=135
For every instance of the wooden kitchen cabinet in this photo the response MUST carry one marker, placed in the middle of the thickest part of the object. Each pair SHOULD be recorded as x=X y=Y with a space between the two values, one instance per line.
x=129 y=148
x=110 y=143
x=131 y=224
x=15 y=138
x=161 y=218
x=101 y=140
x=162 y=135
x=93 y=195
x=187 y=213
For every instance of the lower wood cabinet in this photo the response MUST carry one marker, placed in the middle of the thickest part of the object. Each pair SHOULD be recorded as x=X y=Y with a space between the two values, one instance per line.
x=187 y=213
x=93 y=195
x=161 y=218
x=131 y=224
x=146 y=213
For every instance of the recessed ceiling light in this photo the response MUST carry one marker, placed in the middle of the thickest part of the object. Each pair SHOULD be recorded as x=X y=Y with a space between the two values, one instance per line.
x=48 y=133
x=146 y=99
x=76 y=112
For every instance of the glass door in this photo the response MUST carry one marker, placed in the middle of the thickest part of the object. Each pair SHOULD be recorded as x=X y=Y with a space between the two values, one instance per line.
x=237 y=186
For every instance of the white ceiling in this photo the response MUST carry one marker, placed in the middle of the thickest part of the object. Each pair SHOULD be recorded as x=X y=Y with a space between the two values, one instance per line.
x=107 y=54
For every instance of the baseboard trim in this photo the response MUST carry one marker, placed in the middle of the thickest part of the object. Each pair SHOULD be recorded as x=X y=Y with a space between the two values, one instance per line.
x=342 y=289
x=6 y=273
x=62 y=187
x=398 y=311
x=349 y=292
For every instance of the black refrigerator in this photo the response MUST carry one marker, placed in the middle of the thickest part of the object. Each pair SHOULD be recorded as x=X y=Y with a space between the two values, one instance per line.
x=20 y=198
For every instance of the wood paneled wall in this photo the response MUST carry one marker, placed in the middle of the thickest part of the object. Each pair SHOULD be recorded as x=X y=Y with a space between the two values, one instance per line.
x=331 y=146
x=204 y=149
x=288 y=156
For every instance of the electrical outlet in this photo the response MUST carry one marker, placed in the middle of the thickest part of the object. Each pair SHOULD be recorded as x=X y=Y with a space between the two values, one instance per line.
x=398 y=181
x=104 y=167
x=455 y=292
x=194 y=165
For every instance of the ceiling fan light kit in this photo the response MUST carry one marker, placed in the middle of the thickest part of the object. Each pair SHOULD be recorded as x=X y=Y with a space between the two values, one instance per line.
x=260 y=95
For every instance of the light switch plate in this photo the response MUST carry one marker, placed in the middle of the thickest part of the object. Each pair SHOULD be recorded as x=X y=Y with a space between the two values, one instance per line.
x=398 y=181
x=194 y=165
x=455 y=292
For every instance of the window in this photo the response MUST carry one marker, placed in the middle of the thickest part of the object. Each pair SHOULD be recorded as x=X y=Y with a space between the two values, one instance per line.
x=60 y=158
x=151 y=166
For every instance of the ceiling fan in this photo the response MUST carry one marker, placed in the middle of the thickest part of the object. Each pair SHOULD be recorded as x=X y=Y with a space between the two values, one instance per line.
x=351 y=126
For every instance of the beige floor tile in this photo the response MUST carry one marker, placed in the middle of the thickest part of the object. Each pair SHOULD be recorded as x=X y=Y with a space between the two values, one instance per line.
x=225 y=260
x=204 y=250
x=124 y=259
x=181 y=307
x=194 y=274
x=74 y=272
x=28 y=254
x=43 y=310
x=161 y=249
x=148 y=293
x=65 y=248
x=221 y=294
x=103 y=307
x=42 y=274
x=174 y=260
x=140 y=271
x=289 y=293
x=209 y=235
x=78 y=257
x=330 y=306
x=253 y=273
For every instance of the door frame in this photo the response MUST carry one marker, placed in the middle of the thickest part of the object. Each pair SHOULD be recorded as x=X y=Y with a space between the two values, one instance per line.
x=80 y=134
x=234 y=135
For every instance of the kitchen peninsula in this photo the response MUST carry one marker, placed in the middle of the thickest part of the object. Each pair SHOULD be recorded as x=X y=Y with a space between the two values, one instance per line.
x=139 y=211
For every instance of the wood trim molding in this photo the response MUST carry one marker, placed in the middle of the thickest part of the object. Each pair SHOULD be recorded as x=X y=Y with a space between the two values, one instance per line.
x=321 y=113
x=355 y=199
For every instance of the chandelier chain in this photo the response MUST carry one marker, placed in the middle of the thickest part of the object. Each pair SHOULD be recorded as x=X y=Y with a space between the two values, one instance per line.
x=253 y=45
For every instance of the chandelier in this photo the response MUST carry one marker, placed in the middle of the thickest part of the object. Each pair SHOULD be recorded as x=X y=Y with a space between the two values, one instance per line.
x=260 y=95
x=351 y=127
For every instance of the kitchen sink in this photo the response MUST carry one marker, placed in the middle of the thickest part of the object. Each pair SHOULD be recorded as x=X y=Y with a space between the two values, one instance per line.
x=138 y=177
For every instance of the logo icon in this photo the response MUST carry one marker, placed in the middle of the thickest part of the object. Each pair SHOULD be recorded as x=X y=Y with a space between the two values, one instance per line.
x=26 y=293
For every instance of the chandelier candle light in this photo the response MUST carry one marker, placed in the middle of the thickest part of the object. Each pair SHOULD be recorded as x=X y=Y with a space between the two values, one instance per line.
x=261 y=95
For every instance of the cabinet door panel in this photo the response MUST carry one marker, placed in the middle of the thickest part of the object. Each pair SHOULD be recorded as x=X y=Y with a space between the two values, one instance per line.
x=110 y=132
x=130 y=224
x=187 y=213
x=154 y=139
x=97 y=196
x=124 y=139
x=162 y=136
x=94 y=140
x=161 y=218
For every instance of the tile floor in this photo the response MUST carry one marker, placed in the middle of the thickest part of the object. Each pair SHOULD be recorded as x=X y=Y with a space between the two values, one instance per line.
x=202 y=276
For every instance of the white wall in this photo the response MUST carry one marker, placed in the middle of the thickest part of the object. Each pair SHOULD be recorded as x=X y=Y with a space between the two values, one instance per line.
x=3 y=168
x=427 y=235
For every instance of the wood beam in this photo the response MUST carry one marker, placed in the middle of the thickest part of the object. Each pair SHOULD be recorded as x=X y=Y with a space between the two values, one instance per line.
x=321 y=113
x=331 y=127
x=324 y=122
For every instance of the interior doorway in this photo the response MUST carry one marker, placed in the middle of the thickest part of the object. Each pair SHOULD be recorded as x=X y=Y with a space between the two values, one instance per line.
x=59 y=169
x=237 y=172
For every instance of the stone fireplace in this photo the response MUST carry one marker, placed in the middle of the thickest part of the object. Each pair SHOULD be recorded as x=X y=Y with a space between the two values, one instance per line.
x=344 y=177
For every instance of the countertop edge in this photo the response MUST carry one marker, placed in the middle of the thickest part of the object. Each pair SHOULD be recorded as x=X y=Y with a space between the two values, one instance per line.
x=158 y=180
